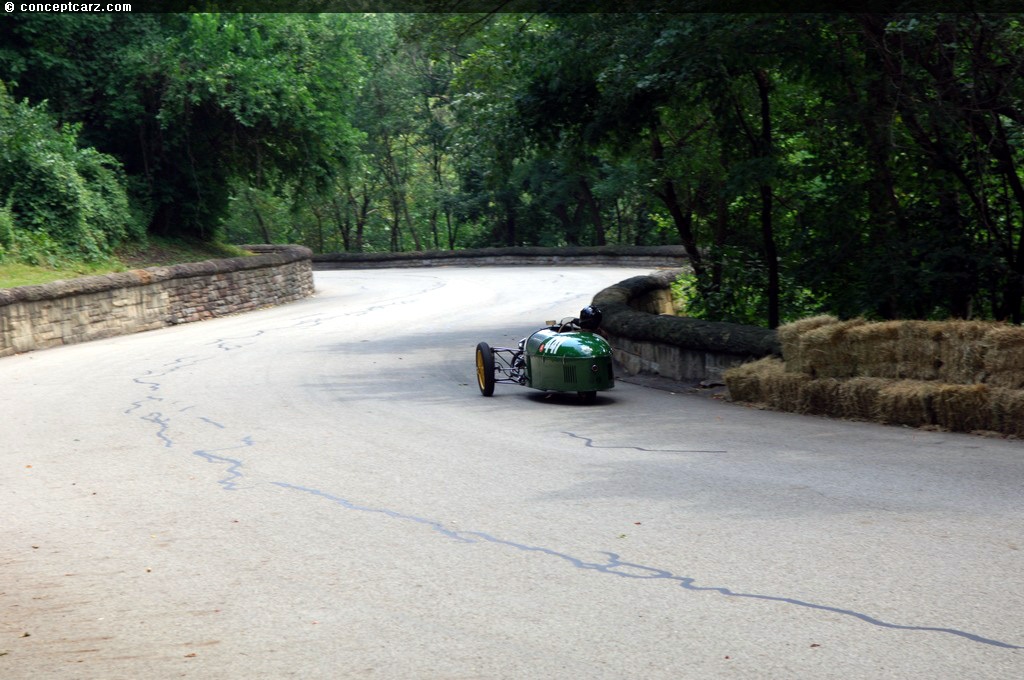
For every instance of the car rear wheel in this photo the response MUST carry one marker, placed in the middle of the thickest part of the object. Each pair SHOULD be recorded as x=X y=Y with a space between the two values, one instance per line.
x=485 y=369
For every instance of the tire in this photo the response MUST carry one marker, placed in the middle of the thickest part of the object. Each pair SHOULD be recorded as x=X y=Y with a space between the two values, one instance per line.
x=485 y=369
x=587 y=397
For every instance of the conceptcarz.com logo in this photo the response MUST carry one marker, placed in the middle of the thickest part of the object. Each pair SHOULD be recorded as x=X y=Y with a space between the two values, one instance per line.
x=62 y=7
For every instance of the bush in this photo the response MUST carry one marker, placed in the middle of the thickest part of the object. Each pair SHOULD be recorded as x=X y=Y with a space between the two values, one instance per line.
x=59 y=200
x=741 y=294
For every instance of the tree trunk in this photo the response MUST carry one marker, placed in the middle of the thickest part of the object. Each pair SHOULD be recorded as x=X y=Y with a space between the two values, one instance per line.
x=264 y=229
x=318 y=216
x=451 y=229
x=771 y=255
x=595 y=213
x=682 y=217
x=417 y=244
x=343 y=222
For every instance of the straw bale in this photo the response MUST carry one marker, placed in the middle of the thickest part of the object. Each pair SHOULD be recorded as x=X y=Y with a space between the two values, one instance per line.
x=1004 y=358
x=907 y=402
x=858 y=397
x=1007 y=411
x=875 y=348
x=919 y=347
x=790 y=338
x=1010 y=380
x=744 y=381
x=962 y=351
x=783 y=390
x=766 y=381
x=827 y=351
x=963 y=408
x=1005 y=347
x=820 y=397
x=947 y=351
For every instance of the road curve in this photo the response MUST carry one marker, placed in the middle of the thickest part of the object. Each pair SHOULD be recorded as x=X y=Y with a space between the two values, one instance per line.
x=319 y=491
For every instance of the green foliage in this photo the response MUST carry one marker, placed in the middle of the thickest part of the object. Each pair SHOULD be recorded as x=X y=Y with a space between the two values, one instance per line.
x=190 y=103
x=740 y=295
x=60 y=200
x=259 y=98
x=856 y=164
x=7 y=234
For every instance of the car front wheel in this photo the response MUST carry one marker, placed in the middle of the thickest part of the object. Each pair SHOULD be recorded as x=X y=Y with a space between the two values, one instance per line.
x=485 y=369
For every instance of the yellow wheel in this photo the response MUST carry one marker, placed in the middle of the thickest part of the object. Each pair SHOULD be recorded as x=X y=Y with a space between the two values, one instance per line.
x=485 y=369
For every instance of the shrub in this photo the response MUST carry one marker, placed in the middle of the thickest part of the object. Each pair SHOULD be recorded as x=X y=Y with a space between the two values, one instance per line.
x=59 y=200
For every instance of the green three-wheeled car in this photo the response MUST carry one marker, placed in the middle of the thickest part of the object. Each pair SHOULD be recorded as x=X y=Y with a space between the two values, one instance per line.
x=567 y=356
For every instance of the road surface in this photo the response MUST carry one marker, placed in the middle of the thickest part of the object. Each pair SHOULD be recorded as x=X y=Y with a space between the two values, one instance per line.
x=319 y=491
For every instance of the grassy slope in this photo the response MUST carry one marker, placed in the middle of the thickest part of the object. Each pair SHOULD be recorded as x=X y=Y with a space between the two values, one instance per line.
x=155 y=252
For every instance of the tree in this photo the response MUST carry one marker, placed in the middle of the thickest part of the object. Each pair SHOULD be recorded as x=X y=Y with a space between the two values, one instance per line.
x=190 y=103
x=956 y=80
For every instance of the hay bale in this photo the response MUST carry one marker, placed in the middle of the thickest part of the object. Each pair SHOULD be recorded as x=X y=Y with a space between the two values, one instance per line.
x=918 y=350
x=962 y=408
x=907 y=402
x=790 y=337
x=1004 y=357
x=783 y=390
x=875 y=348
x=744 y=381
x=821 y=397
x=960 y=375
x=962 y=351
x=858 y=397
x=1006 y=409
x=828 y=352
x=766 y=381
x=1006 y=379
x=947 y=351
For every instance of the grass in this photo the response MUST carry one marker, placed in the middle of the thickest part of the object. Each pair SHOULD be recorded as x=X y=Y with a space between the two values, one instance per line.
x=154 y=252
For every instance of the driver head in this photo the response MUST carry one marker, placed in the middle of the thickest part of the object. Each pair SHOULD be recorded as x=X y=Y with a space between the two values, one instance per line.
x=590 y=318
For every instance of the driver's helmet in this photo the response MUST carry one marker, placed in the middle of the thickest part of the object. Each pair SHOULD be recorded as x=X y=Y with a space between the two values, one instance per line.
x=590 y=318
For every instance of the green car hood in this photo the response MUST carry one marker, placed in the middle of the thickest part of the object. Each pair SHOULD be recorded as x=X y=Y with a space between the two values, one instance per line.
x=576 y=344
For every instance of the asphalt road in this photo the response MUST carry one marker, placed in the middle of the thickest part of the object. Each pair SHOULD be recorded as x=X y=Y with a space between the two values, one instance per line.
x=319 y=491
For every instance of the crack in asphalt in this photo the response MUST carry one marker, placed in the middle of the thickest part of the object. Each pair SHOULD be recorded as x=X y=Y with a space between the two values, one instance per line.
x=230 y=482
x=163 y=425
x=591 y=445
x=615 y=566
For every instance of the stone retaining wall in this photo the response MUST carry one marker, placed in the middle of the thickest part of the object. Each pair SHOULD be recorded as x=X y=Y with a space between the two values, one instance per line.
x=648 y=339
x=614 y=256
x=94 y=307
